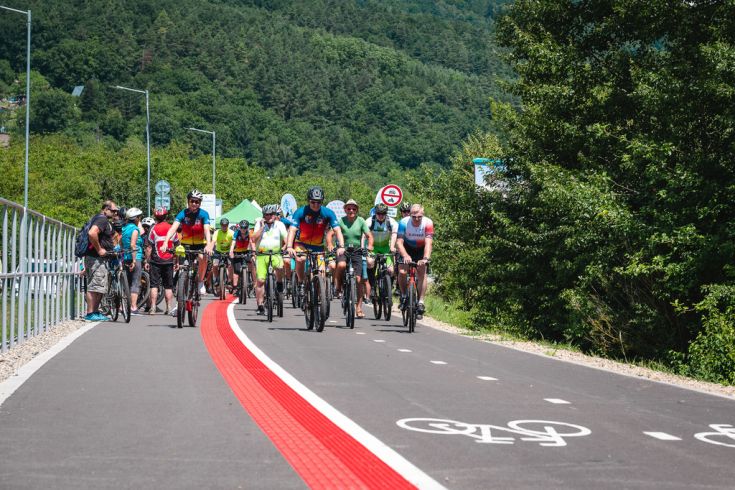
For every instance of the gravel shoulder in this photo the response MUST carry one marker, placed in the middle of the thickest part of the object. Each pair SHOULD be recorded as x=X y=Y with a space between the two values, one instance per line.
x=589 y=361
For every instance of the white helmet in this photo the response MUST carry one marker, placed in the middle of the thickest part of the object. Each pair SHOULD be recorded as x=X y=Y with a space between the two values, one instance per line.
x=133 y=213
x=148 y=221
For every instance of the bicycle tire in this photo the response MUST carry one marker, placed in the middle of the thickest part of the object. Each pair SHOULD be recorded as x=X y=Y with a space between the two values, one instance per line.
x=320 y=305
x=251 y=284
x=222 y=282
x=294 y=290
x=193 y=313
x=412 y=304
x=387 y=296
x=307 y=307
x=145 y=289
x=279 y=303
x=124 y=295
x=243 y=296
x=181 y=288
x=269 y=297
x=351 y=303
x=376 y=298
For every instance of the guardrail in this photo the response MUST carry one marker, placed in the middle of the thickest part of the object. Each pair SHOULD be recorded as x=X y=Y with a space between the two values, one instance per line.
x=39 y=274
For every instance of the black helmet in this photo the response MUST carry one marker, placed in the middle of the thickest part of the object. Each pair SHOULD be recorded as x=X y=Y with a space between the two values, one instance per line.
x=244 y=224
x=117 y=225
x=195 y=194
x=315 y=194
x=122 y=211
x=224 y=221
x=381 y=208
x=405 y=207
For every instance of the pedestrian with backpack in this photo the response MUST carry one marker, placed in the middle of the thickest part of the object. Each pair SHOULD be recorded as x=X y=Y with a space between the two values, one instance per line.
x=99 y=238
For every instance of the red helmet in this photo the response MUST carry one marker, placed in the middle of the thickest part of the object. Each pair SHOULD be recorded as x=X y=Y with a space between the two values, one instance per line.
x=160 y=212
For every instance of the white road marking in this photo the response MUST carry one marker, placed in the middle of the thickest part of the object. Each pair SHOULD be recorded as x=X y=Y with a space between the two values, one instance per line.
x=390 y=457
x=487 y=378
x=332 y=321
x=438 y=362
x=359 y=333
x=663 y=436
x=404 y=350
x=557 y=401
x=378 y=340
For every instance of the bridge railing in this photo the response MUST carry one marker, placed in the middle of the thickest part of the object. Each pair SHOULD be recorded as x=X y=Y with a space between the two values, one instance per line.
x=39 y=274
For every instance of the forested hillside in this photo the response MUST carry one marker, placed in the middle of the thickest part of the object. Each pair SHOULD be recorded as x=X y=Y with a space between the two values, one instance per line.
x=331 y=85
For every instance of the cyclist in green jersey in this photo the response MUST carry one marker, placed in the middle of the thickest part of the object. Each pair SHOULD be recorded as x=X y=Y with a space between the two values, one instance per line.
x=385 y=232
x=222 y=241
x=353 y=228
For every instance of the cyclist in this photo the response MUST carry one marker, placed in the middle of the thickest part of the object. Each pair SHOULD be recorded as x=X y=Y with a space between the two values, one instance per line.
x=147 y=224
x=269 y=236
x=101 y=241
x=385 y=232
x=160 y=262
x=241 y=243
x=223 y=239
x=354 y=228
x=287 y=264
x=405 y=209
x=194 y=224
x=132 y=244
x=414 y=243
x=311 y=223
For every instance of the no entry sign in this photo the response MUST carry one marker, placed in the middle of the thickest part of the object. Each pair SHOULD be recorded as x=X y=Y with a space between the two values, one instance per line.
x=391 y=195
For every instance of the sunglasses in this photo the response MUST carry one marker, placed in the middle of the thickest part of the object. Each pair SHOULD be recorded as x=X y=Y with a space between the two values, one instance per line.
x=417 y=216
x=381 y=214
x=194 y=201
x=351 y=208
x=315 y=202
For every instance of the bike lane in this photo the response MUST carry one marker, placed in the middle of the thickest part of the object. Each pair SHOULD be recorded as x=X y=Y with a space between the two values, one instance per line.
x=380 y=377
x=137 y=405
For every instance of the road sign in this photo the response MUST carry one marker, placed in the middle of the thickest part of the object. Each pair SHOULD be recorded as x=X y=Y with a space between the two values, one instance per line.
x=288 y=205
x=391 y=195
x=163 y=202
x=163 y=187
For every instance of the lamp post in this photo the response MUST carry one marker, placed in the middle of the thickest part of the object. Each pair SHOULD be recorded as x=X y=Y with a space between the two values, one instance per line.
x=147 y=137
x=214 y=145
x=28 y=97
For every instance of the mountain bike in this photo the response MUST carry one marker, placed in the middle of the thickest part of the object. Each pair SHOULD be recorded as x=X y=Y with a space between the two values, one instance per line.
x=219 y=283
x=382 y=293
x=273 y=299
x=117 y=299
x=314 y=303
x=410 y=303
x=349 y=286
x=187 y=286
x=245 y=281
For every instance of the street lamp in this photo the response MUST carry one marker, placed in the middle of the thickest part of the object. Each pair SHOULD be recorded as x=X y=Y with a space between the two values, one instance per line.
x=28 y=97
x=214 y=145
x=147 y=137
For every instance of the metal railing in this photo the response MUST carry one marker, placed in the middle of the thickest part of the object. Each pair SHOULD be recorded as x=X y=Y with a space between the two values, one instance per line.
x=39 y=274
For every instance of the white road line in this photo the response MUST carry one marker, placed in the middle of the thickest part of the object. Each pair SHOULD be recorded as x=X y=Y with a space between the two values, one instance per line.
x=359 y=333
x=662 y=436
x=390 y=457
x=404 y=350
x=487 y=378
x=11 y=384
x=557 y=401
x=438 y=362
x=378 y=341
x=332 y=321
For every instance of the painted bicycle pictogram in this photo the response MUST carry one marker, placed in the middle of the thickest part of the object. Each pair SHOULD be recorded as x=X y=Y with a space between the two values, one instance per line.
x=723 y=435
x=545 y=432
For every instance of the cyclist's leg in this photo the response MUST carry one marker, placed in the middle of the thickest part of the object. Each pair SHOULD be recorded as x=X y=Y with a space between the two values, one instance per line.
x=154 y=273
x=339 y=273
x=300 y=263
x=202 y=268
x=167 y=280
x=236 y=268
x=231 y=273
x=262 y=271
x=279 y=266
x=357 y=266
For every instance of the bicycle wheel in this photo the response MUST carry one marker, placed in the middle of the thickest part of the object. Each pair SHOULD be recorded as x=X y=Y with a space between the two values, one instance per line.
x=251 y=284
x=269 y=296
x=307 y=307
x=124 y=292
x=193 y=312
x=222 y=282
x=243 y=285
x=279 y=302
x=351 y=301
x=320 y=305
x=145 y=290
x=386 y=296
x=376 y=298
x=294 y=290
x=412 y=304
x=181 y=289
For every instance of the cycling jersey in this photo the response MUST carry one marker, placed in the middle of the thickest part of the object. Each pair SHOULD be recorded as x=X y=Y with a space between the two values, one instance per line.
x=312 y=225
x=156 y=238
x=287 y=222
x=242 y=241
x=192 y=226
x=127 y=235
x=272 y=238
x=352 y=232
x=415 y=236
x=222 y=241
x=382 y=233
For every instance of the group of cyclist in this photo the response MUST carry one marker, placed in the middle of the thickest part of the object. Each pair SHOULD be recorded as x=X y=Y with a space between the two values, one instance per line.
x=149 y=243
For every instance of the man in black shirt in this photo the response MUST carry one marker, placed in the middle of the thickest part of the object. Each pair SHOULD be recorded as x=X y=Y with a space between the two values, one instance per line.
x=95 y=263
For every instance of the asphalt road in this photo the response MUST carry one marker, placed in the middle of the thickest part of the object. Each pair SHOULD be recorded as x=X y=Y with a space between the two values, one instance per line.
x=144 y=406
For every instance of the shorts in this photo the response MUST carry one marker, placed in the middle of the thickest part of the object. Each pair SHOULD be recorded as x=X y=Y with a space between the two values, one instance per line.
x=195 y=246
x=96 y=270
x=415 y=253
x=302 y=247
x=356 y=262
x=261 y=265
x=237 y=263
x=219 y=257
x=162 y=273
x=134 y=275
x=388 y=257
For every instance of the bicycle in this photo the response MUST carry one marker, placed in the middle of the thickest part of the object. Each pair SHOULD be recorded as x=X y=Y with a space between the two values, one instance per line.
x=382 y=292
x=314 y=302
x=349 y=286
x=187 y=286
x=245 y=281
x=117 y=298
x=219 y=283
x=410 y=303
x=273 y=298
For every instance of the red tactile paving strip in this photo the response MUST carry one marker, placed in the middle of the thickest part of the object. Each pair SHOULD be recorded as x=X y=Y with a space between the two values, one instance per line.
x=322 y=454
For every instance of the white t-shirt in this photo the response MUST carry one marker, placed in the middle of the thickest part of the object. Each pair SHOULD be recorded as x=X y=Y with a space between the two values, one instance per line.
x=273 y=236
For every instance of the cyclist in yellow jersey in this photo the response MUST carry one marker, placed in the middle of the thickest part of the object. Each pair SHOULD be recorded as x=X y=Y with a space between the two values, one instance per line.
x=222 y=242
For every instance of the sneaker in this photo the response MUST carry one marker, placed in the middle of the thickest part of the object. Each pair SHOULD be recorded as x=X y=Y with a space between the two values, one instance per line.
x=202 y=288
x=367 y=301
x=173 y=311
x=137 y=313
x=421 y=309
x=261 y=310
x=89 y=317
x=99 y=317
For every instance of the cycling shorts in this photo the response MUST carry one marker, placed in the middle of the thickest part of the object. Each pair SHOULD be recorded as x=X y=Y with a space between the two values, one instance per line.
x=415 y=253
x=261 y=265
x=303 y=247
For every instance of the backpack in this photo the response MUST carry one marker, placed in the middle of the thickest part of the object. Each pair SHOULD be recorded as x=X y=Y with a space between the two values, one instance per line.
x=81 y=246
x=387 y=220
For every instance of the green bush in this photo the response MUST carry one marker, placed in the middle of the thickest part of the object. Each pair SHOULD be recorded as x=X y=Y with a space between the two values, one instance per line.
x=712 y=353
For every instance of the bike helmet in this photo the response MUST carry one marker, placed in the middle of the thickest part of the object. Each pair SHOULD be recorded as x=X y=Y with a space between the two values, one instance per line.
x=195 y=194
x=160 y=212
x=224 y=221
x=133 y=213
x=269 y=209
x=117 y=225
x=405 y=207
x=122 y=211
x=381 y=208
x=148 y=221
x=315 y=194
x=244 y=224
